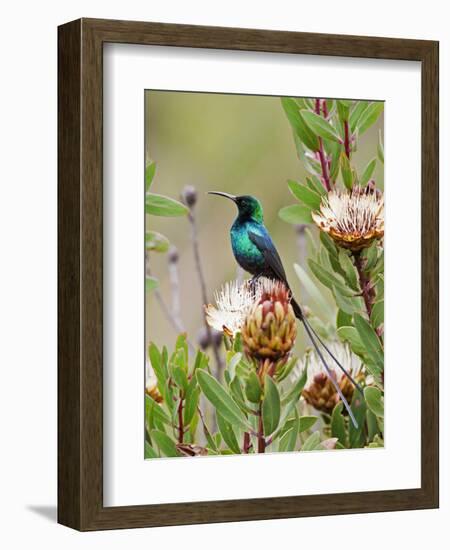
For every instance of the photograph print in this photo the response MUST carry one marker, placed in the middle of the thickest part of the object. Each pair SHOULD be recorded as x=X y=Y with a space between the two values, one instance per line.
x=264 y=274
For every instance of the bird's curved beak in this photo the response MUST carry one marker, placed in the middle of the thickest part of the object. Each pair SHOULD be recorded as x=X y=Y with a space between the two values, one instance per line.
x=226 y=195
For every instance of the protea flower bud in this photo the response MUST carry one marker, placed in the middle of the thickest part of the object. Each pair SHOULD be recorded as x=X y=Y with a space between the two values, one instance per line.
x=270 y=328
x=322 y=395
x=353 y=219
x=319 y=390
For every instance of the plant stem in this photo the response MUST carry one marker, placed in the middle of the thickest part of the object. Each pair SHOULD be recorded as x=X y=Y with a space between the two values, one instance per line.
x=261 y=440
x=166 y=310
x=201 y=278
x=321 y=153
x=180 y=421
x=347 y=139
x=247 y=444
x=365 y=283
x=324 y=166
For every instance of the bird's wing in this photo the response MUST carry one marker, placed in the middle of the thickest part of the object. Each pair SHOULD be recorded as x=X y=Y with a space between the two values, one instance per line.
x=265 y=245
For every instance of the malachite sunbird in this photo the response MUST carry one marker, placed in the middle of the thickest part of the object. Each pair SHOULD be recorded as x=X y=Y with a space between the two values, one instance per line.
x=256 y=253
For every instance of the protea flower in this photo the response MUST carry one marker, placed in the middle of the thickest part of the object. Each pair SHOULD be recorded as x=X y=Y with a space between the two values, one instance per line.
x=234 y=301
x=353 y=219
x=151 y=383
x=319 y=390
x=270 y=327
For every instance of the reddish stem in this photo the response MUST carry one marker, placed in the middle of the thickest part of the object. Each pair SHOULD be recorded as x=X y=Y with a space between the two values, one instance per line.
x=317 y=106
x=247 y=443
x=324 y=166
x=261 y=440
x=347 y=139
x=180 y=422
x=321 y=152
x=364 y=282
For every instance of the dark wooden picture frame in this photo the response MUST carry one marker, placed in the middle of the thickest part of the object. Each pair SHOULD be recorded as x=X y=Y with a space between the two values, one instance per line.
x=80 y=273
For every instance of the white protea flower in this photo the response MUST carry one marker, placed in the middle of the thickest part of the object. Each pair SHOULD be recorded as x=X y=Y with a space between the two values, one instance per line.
x=234 y=301
x=151 y=383
x=353 y=219
x=319 y=390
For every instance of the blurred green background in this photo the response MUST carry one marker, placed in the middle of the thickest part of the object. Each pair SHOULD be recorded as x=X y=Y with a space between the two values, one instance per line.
x=233 y=143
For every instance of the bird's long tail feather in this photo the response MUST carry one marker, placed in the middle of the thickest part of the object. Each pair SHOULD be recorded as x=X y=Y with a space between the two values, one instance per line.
x=316 y=340
x=338 y=363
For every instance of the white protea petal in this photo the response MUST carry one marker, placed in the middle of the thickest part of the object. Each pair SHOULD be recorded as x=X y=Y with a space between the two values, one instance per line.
x=314 y=365
x=358 y=212
x=150 y=377
x=234 y=301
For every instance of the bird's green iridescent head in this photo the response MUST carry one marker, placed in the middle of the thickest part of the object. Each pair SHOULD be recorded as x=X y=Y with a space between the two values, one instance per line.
x=248 y=207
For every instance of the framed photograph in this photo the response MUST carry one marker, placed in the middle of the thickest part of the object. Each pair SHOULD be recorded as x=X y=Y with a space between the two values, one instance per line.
x=248 y=274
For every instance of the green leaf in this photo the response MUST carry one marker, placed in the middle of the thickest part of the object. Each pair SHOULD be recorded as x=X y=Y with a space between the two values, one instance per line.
x=380 y=147
x=301 y=129
x=343 y=319
x=191 y=402
x=149 y=451
x=320 y=126
x=335 y=157
x=316 y=296
x=238 y=394
x=180 y=377
x=370 y=340
x=368 y=172
x=350 y=335
x=151 y=283
x=306 y=422
x=338 y=424
x=328 y=243
x=374 y=400
x=149 y=175
x=315 y=185
x=305 y=195
x=312 y=443
x=294 y=394
x=288 y=439
x=290 y=401
x=156 y=242
x=165 y=444
x=346 y=171
x=220 y=399
x=377 y=442
x=154 y=411
x=343 y=108
x=157 y=363
x=296 y=214
x=271 y=406
x=347 y=304
x=329 y=279
x=371 y=255
x=232 y=363
x=351 y=274
x=159 y=205
x=181 y=345
x=357 y=111
x=253 y=388
x=369 y=116
x=228 y=435
x=372 y=424
x=356 y=435
x=377 y=315
x=286 y=369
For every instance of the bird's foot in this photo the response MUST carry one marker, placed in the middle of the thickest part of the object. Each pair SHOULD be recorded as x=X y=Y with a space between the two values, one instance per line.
x=253 y=282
